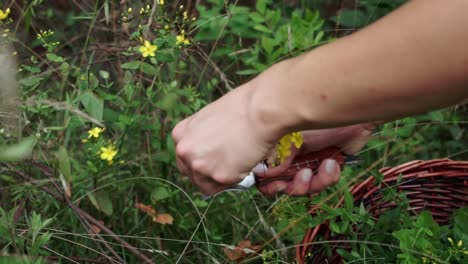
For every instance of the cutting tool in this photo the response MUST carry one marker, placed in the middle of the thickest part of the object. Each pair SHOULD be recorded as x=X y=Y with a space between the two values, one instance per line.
x=310 y=160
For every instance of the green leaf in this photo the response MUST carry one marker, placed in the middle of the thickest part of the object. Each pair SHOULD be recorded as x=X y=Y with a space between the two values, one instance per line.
x=262 y=28
x=247 y=72
x=32 y=69
x=268 y=44
x=54 y=58
x=101 y=201
x=349 y=202
x=200 y=203
x=31 y=81
x=165 y=56
x=148 y=68
x=160 y=193
x=19 y=151
x=64 y=163
x=334 y=227
x=261 y=6
x=131 y=65
x=168 y=102
x=460 y=229
x=94 y=106
x=87 y=81
x=352 y=18
x=257 y=18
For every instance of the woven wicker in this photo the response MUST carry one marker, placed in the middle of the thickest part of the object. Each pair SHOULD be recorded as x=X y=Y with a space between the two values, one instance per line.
x=439 y=186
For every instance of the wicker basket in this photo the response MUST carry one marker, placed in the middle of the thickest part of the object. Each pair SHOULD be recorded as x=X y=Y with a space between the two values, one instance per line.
x=439 y=186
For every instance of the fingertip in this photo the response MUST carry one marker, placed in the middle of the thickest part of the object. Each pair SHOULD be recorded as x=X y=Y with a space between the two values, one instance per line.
x=332 y=169
x=328 y=174
x=300 y=185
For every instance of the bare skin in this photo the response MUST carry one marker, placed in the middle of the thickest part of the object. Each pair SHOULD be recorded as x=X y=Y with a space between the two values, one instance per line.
x=399 y=66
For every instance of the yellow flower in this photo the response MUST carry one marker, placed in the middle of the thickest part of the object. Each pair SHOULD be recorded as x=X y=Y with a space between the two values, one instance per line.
x=181 y=39
x=460 y=244
x=296 y=139
x=108 y=153
x=148 y=49
x=4 y=14
x=283 y=148
x=95 y=132
x=161 y=2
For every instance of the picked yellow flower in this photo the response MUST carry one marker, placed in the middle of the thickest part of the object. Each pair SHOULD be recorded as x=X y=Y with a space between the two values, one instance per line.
x=148 y=49
x=95 y=132
x=283 y=148
x=108 y=153
x=4 y=14
x=181 y=39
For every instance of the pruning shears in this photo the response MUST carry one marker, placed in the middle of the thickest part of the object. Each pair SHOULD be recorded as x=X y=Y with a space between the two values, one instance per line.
x=310 y=160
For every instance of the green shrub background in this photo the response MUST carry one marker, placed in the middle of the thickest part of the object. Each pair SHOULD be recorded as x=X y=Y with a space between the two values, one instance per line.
x=81 y=68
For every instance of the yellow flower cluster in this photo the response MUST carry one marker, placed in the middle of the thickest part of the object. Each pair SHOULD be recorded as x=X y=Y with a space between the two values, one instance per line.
x=182 y=39
x=146 y=11
x=108 y=153
x=283 y=148
x=4 y=14
x=148 y=49
x=95 y=132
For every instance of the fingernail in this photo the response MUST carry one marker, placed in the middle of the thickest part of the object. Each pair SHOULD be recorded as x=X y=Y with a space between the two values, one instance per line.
x=306 y=175
x=260 y=168
x=330 y=166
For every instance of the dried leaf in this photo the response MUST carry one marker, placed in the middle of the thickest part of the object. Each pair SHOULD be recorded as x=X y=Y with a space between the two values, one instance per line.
x=164 y=219
x=95 y=229
x=234 y=254
x=148 y=209
x=244 y=244
x=243 y=249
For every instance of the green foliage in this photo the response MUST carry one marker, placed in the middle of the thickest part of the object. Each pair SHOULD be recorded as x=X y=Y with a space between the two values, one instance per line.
x=32 y=239
x=90 y=69
x=367 y=12
x=275 y=35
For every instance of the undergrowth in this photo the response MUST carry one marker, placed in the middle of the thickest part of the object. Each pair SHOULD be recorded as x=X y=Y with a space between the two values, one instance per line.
x=102 y=85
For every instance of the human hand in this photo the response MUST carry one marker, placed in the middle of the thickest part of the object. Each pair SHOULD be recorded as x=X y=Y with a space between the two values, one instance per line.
x=221 y=142
x=349 y=139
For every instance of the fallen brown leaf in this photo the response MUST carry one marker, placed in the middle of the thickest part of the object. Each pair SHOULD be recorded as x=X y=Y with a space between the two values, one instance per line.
x=243 y=249
x=164 y=219
x=95 y=229
x=148 y=209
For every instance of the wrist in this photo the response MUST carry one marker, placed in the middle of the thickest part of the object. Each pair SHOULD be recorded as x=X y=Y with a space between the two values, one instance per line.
x=269 y=105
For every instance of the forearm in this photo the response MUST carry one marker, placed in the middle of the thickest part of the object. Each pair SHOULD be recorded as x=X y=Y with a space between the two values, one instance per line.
x=412 y=61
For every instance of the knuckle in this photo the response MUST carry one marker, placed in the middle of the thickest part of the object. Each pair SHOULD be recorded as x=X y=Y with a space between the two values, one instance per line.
x=176 y=131
x=221 y=178
x=199 y=166
x=182 y=150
